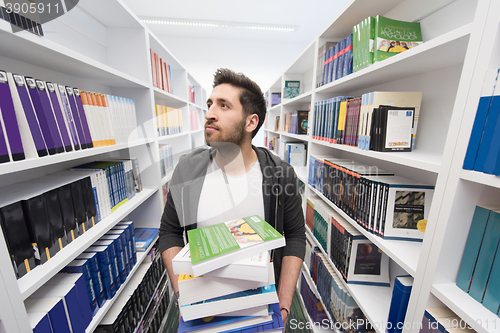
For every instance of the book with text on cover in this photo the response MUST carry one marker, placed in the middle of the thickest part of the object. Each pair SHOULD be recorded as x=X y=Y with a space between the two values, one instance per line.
x=221 y=244
x=254 y=268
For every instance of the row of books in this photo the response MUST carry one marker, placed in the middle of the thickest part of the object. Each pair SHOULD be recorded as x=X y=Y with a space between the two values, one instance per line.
x=41 y=216
x=384 y=204
x=145 y=295
x=166 y=159
x=312 y=303
x=272 y=142
x=60 y=305
x=337 y=61
x=293 y=152
x=20 y=21
x=373 y=39
x=106 y=264
x=42 y=118
x=234 y=287
x=168 y=120
x=378 y=120
x=295 y=122
x=339 y=303
x=479 y=271
x=70 y=299
x=162 y=72
x=356 y=258
x=484 y=143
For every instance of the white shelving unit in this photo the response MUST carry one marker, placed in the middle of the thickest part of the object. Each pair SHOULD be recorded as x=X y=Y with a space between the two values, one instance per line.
x=461 y=41
x=102 y=48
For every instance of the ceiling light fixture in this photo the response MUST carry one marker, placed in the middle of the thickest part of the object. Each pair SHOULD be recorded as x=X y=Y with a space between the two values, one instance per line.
x=213 y=24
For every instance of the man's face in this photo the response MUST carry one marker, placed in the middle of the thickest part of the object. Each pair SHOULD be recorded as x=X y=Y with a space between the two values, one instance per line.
x=224 y=121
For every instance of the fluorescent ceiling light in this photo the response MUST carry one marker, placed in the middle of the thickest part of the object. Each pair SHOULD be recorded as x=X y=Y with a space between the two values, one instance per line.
x=215 y=24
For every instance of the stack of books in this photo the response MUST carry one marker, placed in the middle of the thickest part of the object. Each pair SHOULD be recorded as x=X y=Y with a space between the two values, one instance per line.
x=226 y=280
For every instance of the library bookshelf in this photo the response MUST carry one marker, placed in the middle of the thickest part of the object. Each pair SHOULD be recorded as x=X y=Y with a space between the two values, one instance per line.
x=461 y=41
x=103 y=48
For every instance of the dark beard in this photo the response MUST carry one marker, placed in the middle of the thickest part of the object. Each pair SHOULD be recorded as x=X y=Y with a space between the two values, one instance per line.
x=234 y=136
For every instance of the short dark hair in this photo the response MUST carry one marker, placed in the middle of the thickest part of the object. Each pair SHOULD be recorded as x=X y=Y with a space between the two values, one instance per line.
x=251 y=96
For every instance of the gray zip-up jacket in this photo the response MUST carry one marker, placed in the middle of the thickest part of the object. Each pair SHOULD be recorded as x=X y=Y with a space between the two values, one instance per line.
x=282 y=202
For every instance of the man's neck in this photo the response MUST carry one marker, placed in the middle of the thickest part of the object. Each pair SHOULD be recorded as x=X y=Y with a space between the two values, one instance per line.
x=236 y=160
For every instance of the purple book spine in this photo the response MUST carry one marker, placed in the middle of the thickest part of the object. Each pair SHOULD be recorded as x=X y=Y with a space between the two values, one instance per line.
x=77 y=139
x=53 y=146
x=30 y=116
x=76 y=117
x=10 y=120
x=83 y=120
x=59 y=117
x=49 y=114
x=85 y=123
x=4 y=153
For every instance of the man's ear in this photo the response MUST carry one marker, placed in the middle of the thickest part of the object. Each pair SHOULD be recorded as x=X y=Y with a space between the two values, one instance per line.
x=251 y=123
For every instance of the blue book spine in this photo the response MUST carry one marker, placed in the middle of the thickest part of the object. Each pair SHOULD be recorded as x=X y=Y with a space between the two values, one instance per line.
x=489 y=129
x=399 y=303
x=491 y=298
x=482 y=112
x=84 y=300
x=326 y=65
x=472 y=246
x=340 y=60
x=97 y=206
x=92 y=296
x=485 y=257
x=99 y=288
x=348 y=56
x=57 y=317
x=43 y=325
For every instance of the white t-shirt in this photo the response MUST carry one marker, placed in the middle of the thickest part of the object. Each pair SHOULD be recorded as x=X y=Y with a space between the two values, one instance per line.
x=227 y=198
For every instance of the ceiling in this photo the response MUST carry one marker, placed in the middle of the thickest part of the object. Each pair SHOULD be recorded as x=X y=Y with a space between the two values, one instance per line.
x=309 y=17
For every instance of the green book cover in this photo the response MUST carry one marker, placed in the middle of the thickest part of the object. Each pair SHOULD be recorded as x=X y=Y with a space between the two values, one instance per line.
x=393 y=37
x=213 y=241
x=292 y=89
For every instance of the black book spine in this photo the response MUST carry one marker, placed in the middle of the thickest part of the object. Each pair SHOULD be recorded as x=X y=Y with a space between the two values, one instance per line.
x=384 y=209
x=55 y=218
x=16 y=234
x=39 y=227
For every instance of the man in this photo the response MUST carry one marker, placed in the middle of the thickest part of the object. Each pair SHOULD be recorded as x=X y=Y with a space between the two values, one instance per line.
x=234 y=179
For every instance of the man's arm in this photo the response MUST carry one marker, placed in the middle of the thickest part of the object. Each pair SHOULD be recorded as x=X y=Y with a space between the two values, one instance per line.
x=290 y=269
x=167 y=256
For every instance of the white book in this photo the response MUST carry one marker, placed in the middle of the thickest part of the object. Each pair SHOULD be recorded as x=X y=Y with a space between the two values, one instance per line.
x=254 y=268
x=195 y=289
x=233 y=302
